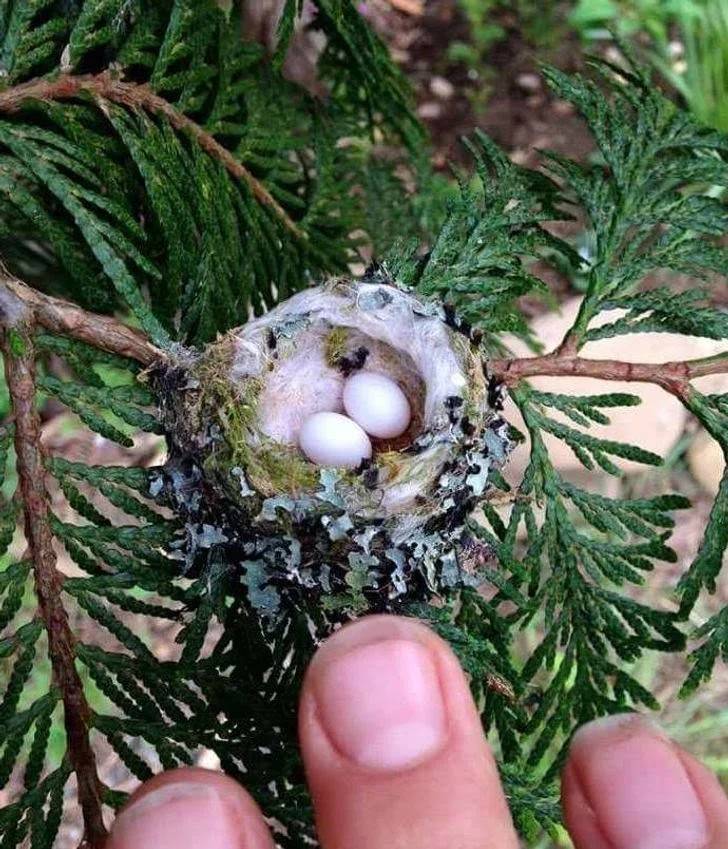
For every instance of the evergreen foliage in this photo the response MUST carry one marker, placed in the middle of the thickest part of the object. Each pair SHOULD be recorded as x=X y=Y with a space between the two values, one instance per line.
x=648 y=209
x=180 y=178
x=190 y=148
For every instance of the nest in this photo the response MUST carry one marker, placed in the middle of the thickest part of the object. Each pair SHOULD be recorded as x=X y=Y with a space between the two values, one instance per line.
x=392 y=530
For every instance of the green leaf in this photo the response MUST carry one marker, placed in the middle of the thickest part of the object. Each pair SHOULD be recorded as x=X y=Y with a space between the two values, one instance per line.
x=231 y=159
x=648 y=205
x=476 y=264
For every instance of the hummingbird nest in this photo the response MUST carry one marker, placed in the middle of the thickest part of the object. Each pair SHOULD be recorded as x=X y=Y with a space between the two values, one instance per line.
x=342 y=541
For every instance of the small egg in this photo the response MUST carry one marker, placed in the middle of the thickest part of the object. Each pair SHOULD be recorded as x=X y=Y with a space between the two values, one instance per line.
x=377 y=404
x=331 y=439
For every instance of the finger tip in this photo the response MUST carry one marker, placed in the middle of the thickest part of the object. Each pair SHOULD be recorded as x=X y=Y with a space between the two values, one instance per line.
x=386 y=721
x=187 y=807
x=193 y=779
x=625 y=779
x=378 y=696
x=389 y=650
x=611 y=729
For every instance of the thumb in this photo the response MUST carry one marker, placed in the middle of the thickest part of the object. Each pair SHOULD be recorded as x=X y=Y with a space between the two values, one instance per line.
x=394 y=748
x=628 y=786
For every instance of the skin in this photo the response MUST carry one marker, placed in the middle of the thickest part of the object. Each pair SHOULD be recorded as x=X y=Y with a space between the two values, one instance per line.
x=395 y=757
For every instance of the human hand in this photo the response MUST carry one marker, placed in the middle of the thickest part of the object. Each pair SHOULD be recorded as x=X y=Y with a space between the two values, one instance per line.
x=396 y=759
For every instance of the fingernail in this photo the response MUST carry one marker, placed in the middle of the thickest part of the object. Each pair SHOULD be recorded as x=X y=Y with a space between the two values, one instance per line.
x=636 y=785
x=381 y=704
x=183 y=815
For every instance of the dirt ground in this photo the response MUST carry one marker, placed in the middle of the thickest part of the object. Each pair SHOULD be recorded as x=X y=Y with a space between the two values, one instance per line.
x=504 y=96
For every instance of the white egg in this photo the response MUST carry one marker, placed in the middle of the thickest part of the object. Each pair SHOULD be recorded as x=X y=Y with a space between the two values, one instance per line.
x=330 y=439
x=377 y=404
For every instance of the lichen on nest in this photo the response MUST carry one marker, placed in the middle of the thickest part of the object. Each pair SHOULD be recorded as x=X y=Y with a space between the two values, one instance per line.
x=392 y=530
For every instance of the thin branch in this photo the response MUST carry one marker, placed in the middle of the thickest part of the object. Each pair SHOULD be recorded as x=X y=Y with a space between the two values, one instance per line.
x=66 y=319
x=674 y=377
x=17 y=346
x=105 y=86
x=569 y=347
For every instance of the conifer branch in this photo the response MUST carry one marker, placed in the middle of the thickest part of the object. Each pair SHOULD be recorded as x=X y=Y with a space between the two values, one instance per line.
x=133 y=96
x=64 y=318
x=18 y=354
x=674 y=377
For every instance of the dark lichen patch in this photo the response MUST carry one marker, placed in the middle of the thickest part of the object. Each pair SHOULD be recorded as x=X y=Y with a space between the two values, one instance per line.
x=354 y=362
x=496 y=394
x=342 y=355
x=467 y=427
x=453 y=405
x=370 y=475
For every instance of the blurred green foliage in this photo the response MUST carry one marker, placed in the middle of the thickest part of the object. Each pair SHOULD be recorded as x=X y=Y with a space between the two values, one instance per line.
x=539 y=23
x=594 y=19
x=701 y=74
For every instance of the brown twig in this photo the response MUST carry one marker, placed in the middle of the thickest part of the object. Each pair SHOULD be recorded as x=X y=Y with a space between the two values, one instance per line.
x=66 y=319
x=17 y=346
x=105 y=86
x=569 y=347
x=108 y=334
x=674 y=377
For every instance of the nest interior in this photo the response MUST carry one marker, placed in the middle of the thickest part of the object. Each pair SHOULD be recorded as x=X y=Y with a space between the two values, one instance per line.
x=296 y=359
x=307 y=375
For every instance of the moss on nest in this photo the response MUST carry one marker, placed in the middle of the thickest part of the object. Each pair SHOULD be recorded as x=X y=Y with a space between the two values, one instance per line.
x=336 y=345
x=353 y=539
x=273 y=469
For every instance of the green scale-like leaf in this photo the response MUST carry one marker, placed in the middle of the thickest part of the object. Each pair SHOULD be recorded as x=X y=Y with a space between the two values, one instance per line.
x=279 y=209
x=476 y=262
x=650 y=208
x=712 y=411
